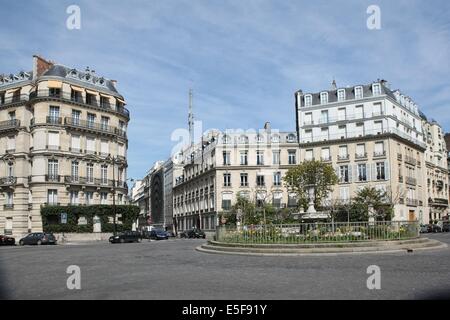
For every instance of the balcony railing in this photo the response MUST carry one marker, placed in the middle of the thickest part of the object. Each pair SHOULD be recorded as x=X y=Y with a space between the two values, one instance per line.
x=52 y=178
x=411 y=181
x=67 y=97
x=9 y=124
x=8 y=206
x=361 y=155
x=412 y=202
x=77 y=180
x=8 y=181
x=53 y=120
x=378 y=154
x=94 y=126
x=410 y=160
x=13 y=100
x=343 y=157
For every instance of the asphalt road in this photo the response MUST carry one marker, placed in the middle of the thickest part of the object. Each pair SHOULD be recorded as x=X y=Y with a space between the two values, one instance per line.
x=172 y=269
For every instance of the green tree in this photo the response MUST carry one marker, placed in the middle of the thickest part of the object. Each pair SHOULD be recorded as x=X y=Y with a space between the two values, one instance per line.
x=370 y=197
x=311 y=173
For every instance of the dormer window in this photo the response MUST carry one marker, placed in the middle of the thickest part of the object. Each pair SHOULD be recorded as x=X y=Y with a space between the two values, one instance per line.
x=359 y=92
x=226 y=139
x=308 y=100
x=291 y=137
x=341 y=95
x=324 y=98
x=376 y=89
x=260 y=138
x=243 y=139
x=276 y=138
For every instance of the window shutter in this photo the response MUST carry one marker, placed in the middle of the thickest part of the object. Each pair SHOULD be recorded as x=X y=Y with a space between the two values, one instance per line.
x=387 y=170
x=350 y=173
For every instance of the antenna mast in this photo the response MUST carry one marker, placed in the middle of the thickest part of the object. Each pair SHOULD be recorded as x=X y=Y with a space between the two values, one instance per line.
x=191 y=119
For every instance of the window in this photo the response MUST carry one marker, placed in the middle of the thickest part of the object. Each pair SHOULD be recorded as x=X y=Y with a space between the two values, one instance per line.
x=359 y=112
x=292 y=200
x=341 y=95
x=10 y=169
x=379 y=149
x=291 y=137
x=260 y=180
x=53 y=140
x=53 y=169
x=121 y=150
x=342 y=132
x=309 y=155
x=104 y=174
x=308 y=100
x=104 y=102
x=260 y=138
x=308 y=118
x=343 y=153
x=75 y=95
x=75 y=144
x=12 y=116
x=360 y=129
x=243 y=139
x=308 y=136
x=104 y=123
x=362 y=172
x=120 y=198
x=292 y=156
x=325 y=154
x=244 y=180
x=227 y=180
x=90 y=145
x=344 y=194
x=89 y=197
x=342 y=114
x=9 y=199
x=104 y=147
x=73 y=197
x=276 y=157
x=2 y=97
x=376 y=89
x=74 y=171
x=324 y=98
x=324 y=134
x=377 y=109
x=226 y=139
x=244 y=158
x=76 y=117
x=276 y=201
x=226 y=158
x=360 y=150
x=103 y=198
x=277 y=179
x=344 y=174
x=90 y=99
x=90 y=120
x=324 y=116
x=359 y=92
x=52 y=197
x=226 y=201
x=378 y=127
x=53 y=116
x=90 y=173
x=259 y=157
x=381 y=171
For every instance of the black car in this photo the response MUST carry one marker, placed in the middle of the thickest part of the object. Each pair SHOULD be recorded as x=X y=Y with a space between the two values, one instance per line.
x=433 y=228
x=158 y=234
x=126 y=236
x=38 y=238
x=446 y=227
x=7 y=241
x=193 y=233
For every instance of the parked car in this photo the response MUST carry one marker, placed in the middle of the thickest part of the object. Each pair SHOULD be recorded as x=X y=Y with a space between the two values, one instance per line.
x=170 y=233
x=433 y=228
x=193 y=233
x=158 y=234
x=423 y=228
x=446 y=227
x=38 y=238
x=7 y=241
x=126 y=236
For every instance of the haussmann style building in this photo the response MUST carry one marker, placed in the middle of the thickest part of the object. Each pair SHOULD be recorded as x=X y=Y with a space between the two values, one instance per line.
x=62 y=141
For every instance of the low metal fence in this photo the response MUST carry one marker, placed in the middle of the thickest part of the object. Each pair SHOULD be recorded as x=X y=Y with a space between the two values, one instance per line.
x=319 y=232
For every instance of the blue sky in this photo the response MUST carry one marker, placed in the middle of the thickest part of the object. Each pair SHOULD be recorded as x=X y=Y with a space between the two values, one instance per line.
x=243 y=59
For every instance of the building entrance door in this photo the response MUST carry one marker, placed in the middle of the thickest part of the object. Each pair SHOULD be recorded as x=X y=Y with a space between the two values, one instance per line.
x=412 y=215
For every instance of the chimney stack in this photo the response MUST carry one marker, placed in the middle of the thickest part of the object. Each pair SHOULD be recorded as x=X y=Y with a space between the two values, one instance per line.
x=333 y=85
x=40 y=66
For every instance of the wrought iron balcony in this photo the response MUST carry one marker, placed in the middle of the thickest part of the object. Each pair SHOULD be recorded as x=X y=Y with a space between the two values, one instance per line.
x=52 y=178
x=378 y=154
x=67 y=97
x=412 y=202
x=53 y=120
x=93 y=126
x=410 y=160
x=343 y=157
x=77 y=180
x=411 y=181
x=9 y=206
x=361 y=155
x=15 y=99
x=9 y=125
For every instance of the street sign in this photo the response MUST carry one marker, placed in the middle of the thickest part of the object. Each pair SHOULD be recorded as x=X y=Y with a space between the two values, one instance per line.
x=63 y=217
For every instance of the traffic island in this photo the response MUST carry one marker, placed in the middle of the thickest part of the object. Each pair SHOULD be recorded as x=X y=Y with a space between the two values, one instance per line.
x=320 y=238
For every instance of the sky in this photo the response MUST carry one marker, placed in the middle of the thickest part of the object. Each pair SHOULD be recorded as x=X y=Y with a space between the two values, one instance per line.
x=244 y=59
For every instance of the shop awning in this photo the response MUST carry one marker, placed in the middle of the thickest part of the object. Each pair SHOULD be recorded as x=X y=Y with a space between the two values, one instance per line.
x=91 y=92
x=75 y=88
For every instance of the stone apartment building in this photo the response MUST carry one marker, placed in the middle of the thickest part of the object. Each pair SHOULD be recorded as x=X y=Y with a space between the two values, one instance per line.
x=62 y=141
x=231 y=163
x=374 y=136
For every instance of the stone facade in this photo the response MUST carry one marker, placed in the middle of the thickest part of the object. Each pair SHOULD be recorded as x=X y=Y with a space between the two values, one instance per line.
x=62 y=141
